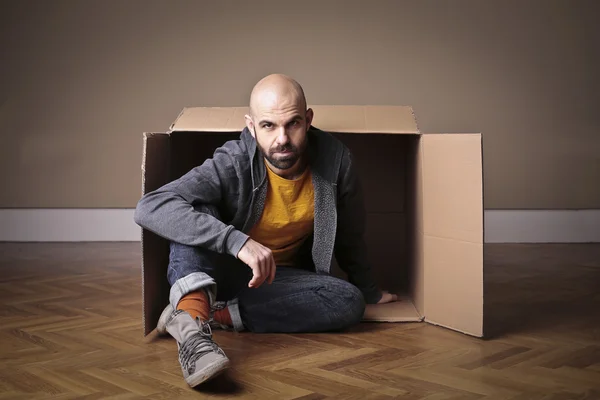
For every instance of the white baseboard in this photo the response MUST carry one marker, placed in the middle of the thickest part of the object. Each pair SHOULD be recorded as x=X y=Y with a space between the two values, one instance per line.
x=543 y=226
x=68 y=225
x=82 y=225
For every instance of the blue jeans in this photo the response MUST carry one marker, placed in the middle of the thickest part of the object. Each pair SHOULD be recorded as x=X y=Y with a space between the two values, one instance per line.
x=298 y=300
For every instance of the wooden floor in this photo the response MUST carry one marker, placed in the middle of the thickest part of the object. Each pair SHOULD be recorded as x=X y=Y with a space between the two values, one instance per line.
x=70 y=327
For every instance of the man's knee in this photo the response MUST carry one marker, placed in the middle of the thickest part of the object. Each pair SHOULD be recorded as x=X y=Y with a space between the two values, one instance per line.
x=349 y=304
x=356 y=305
x=183 y=260
x=192 y=258
x=182 y=253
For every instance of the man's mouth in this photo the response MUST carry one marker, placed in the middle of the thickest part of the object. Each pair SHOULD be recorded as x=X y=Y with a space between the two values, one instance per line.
x=284 y=151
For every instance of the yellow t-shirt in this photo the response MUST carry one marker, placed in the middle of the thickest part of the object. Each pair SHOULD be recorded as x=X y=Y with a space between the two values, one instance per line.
x=288 y=216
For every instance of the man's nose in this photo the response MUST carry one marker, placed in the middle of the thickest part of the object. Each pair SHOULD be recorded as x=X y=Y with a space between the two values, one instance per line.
x=282 y=136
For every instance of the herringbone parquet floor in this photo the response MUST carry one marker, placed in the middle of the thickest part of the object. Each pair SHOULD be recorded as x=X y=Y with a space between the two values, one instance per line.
x=70 y=328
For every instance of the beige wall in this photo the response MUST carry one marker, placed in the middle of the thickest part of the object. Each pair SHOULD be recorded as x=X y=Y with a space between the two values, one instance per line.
x=81 y=81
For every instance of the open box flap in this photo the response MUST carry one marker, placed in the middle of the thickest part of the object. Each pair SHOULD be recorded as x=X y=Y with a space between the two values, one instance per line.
x=210 y=119
x=402 y=310
x=416 y=223
x=155 y=173
x=453 y=231
x=365 y=119
x=353 y=119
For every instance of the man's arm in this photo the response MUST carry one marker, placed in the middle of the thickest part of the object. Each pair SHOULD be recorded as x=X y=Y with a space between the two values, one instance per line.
x=171 y=211
x=350 y=245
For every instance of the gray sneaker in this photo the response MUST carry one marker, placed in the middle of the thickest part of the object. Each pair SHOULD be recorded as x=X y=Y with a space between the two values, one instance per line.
x=200 y=357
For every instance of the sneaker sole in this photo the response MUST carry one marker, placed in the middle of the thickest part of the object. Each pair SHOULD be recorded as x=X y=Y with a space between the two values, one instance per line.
x=209 y=372
x=161 y=326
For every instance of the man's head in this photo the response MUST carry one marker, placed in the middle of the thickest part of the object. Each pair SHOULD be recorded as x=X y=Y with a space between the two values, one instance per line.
x=279 y=120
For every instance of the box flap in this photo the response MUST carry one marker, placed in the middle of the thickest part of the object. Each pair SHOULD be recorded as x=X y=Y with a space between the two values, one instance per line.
x=416 y=224
x=155 y=250
x=402 y=310
x=210 y=119
x=330 y=118
x=155 y=161
x=453 y=231
x=365 y=119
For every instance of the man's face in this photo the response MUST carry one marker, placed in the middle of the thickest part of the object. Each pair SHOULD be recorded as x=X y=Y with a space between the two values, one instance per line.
x=280 y=133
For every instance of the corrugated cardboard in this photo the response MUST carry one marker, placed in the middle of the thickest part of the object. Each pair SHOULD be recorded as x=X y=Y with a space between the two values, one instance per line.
x=362 y=119
x=424 y=201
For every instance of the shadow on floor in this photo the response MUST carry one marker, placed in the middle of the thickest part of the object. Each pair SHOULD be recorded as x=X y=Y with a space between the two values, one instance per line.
x=224 y=384
x=540 y=287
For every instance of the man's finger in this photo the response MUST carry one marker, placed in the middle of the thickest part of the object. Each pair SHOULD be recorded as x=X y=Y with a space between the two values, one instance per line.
x=257 y=278
x=272 y=271
x=254 y=282
x=265 y=271
x=272 y=277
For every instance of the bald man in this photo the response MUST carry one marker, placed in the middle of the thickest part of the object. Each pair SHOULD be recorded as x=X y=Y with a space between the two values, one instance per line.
x=253 y=231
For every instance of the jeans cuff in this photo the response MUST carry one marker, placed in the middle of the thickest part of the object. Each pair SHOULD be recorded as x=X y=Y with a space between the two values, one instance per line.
x=234 y=312
x=191 y=283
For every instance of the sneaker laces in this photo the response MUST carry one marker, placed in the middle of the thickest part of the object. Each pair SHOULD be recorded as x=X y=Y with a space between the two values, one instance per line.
x=198 y=345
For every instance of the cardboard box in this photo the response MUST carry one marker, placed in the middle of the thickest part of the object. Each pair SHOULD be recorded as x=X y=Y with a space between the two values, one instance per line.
x=424 y=200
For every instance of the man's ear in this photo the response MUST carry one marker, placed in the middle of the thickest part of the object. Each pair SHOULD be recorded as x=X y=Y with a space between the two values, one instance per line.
x=309 y=117
x=250 y=125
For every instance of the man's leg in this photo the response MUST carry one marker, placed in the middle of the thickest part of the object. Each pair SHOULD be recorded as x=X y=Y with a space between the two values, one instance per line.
x=301 y=301
x=297 y=301
x=193 y=274
x=201 y=278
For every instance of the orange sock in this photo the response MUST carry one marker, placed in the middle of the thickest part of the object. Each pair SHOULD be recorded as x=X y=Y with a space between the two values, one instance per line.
x=197 y=305
x=223 y=317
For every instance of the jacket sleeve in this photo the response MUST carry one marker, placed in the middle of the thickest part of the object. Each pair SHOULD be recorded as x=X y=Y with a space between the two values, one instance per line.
x=174 y=211
x=350 y=245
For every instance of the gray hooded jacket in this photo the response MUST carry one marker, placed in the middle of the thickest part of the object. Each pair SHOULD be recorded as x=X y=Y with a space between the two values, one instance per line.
x=234 y=181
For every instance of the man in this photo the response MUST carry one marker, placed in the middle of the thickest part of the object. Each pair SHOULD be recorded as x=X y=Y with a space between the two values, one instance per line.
x=253 y=231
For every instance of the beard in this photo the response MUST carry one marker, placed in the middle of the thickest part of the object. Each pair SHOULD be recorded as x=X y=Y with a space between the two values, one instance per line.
x=280 y=161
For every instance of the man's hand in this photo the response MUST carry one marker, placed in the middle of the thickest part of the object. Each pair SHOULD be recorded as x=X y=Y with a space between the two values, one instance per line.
x=260 y=259
x=387 y=297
